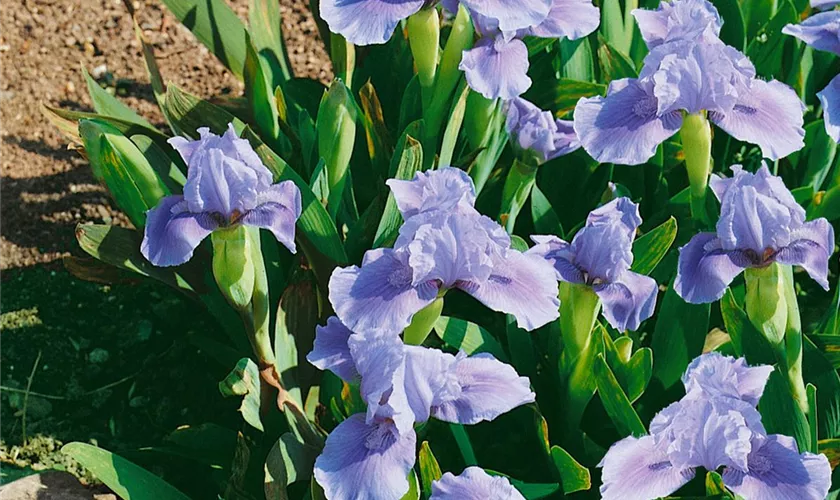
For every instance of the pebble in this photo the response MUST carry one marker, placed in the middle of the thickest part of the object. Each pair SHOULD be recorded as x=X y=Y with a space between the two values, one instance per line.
x=99 y=71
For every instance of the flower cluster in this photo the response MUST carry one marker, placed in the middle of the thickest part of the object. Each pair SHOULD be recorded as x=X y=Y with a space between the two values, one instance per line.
x=689 y=70
x=715 y=425
x=370 y=456
x=227 y=186
x=444 y=244
x=760 y=223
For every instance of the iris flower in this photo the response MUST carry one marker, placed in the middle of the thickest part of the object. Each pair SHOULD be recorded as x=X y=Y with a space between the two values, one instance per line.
x=713 y=427
x=538 y=133
x=688 y=71
x=600 y=256
x=760 y=223
x=227 y=185
x=444 y=244
x=822 y=31
x=370 y=455
x=474 y=484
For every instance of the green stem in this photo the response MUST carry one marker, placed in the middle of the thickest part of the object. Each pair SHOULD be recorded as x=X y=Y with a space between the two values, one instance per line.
x=696 y=135
x=793 y=343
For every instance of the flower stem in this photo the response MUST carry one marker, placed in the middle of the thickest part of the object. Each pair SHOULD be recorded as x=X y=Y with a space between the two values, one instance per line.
x=696 y=135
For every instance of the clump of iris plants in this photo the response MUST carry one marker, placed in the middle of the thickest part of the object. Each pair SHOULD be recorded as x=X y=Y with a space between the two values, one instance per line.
x=514 y=250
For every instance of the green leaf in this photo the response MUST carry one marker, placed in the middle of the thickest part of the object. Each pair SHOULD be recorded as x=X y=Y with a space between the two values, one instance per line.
x=651 y=248
x=545 y=218
x=613 y=27
x=468 y=337
x=244 y=381
x=764 y=50
x=829 y=346
x=820 y=151
x=678 y=337
x=429 y=469
x=380 y=147
x=715 y=486
x=615 y=401
x=813 y=417
x=462 y=439
x=573 y=476
x=260 y=96
x=413 y=487
x=746 y=339
x=288 y=461
x=576 y=60
x=125 y=479
x=614 y=63
x=216 y=26
x=266 y=30
x=170 y=171
x=633 y=374
x=116 y=161
x=106 y=104
x=818 y=371
x=562 y=97
x=407 y=160
x=779 y=412
x=733 y=31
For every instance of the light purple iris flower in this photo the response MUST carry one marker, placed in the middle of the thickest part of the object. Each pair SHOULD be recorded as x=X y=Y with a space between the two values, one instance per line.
x=497 y=66
x=474 y=484
x=600 y=256
x=227 y=184
x=688 y=71
x=445 y=243
x=760 y=223
x=370 y=456
x=366 y=22
x=712 y=430
x=538 y=133
x=822 y=31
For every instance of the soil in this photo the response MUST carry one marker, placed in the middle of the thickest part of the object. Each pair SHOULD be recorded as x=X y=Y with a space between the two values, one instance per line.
x=47 y=189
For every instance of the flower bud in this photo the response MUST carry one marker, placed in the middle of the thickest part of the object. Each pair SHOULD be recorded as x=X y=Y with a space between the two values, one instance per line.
x=336 y=125
x=424 y=38
x=478 y=119
x=233 y=267
x=766 y=303
x=423 y=322
x=696 y=135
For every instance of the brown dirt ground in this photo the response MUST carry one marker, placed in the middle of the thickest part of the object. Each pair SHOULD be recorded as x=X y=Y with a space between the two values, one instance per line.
x=47 y=189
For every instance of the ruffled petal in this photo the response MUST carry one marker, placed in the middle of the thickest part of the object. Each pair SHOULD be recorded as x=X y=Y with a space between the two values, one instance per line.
x=777 y=471
x=379 y=296
x=367 y=461
x=331 y=352
x=635 y=469
x=172 y=233
x=367 y=22
x=683 y=20
x=489 y=388
x=628 y=301
x=430 y=378
x=446 y=189
x=810 y=249
x=497 y=68
x=770 y=115
x=572 y=19
x=705 y=270
x=716 y=375
x=474 y=484
x=819 y=31
x=511 y=16
x=824 y=4
x=278 y=210
x=623 y=127
x=830 y=99
x=522 y=285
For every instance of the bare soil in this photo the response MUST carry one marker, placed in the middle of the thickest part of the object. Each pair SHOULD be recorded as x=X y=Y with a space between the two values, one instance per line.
x=47 y=189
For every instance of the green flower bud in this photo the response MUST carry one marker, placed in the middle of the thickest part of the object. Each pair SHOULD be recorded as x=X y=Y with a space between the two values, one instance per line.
x=478 y=119
x=766 y=303
x=518 y=185
x=336 y=125
x=424 y=38
x=233 y=266
x=579 y=308
x=423 y=322
x=460 y=39
x=696 y=135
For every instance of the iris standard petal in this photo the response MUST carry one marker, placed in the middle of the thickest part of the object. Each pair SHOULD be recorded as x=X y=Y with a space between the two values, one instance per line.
x=379 y=296
x=430 y=378
x=366 y=461
x=367 y=22
x=446 y=189
x=519 y=284
x=715 y=375
x=497 y=68
x=474 y=484
x=172 y=233
x=278 y=209
x=777 y=471
x=830 y=99
x=538 y=132
x=635 y=469
x=679 y=20
x=810 y=248
x=770 y=115
x=331 y=352
x=705 y=269
x=559 y=254
x=628 y=301
x=821 y=31
x=755 y=221
x=489 y=388
x=511 y=15
x=623 y=127
x=572 y=19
